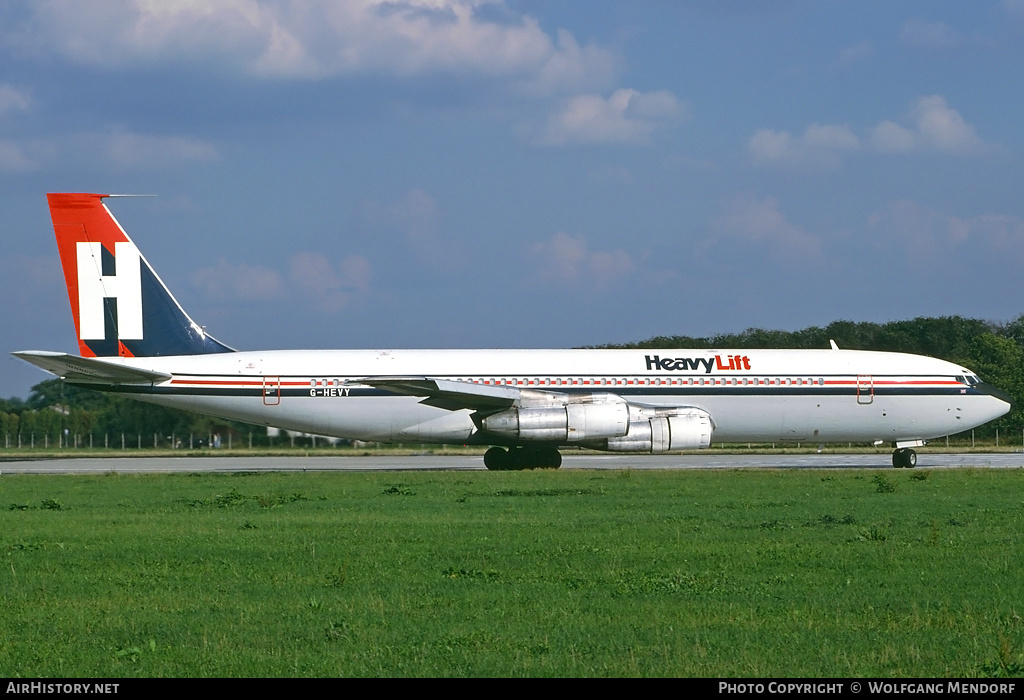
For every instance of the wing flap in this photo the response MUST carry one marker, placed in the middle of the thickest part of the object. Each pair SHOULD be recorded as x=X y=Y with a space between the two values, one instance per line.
x=89 y=370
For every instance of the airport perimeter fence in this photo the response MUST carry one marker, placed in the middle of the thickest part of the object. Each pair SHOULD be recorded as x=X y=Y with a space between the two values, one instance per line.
x=985 y=437
x=67 y=440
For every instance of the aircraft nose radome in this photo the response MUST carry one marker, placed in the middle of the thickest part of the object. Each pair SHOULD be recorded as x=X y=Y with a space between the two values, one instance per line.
x=996 y=393
x=1003 y=401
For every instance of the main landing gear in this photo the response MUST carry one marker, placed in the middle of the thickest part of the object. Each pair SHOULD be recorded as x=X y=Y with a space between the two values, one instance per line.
x=904 y=457
x=515 y=458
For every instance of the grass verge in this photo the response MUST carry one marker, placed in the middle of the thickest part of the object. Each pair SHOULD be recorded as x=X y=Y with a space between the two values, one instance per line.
x=645 y=573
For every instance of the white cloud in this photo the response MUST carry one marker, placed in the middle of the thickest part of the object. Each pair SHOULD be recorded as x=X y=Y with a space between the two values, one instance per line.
x=627 y=116
x=239 y=282
x=830 y=137
x=819 y=147
x=912 y=226
x=311 y=276
x=413 y=223
x=122 y=149
x=143 y=150
x=567 y=260
x=922 y=34
x=928 y=234
x=942 y=128
x=934 y=127
x=318 y=38
x=890 y=137
x=571 y=68
x=12 y=99
x=13 y=158
x=417 y=214
x=759 y=221
x=861 y=51
x=330 y=290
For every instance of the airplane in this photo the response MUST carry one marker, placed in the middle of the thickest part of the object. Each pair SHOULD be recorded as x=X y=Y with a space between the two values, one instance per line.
x=135 y=340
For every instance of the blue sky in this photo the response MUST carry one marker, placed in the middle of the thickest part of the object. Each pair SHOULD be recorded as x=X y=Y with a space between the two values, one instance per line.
x=475 y=173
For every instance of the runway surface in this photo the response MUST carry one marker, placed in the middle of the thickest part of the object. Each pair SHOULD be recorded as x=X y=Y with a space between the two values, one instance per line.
x=707 y=460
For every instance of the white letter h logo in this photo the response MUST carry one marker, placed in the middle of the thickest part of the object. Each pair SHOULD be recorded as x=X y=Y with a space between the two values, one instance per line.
x=94 y=287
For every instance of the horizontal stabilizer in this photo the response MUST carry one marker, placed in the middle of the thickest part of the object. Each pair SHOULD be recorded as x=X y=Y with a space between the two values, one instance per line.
x=88 y=370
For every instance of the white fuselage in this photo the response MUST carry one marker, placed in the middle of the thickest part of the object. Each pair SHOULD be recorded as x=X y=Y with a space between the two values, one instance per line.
x=818 y=396
x=135 y=339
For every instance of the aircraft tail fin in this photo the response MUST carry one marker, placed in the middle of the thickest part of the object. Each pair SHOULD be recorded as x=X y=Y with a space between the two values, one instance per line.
x=119 y=304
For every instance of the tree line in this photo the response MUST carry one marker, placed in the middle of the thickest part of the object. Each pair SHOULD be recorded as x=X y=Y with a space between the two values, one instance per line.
x=56 y=413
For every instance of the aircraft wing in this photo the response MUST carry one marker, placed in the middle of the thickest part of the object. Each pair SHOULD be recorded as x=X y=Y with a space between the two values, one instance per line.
x=453 y=395
x=89 y=370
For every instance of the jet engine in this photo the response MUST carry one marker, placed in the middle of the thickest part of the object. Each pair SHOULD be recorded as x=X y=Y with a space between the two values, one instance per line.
x=683 y=429
x=572 y=422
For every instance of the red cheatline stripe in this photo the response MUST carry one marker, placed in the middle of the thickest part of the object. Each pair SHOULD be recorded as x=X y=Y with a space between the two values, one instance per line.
x=838 y=382
x=228 y=382
x=215 y=381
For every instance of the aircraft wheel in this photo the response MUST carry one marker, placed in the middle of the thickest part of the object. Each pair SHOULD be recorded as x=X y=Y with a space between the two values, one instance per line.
x=551 y=458
x=517 y=458
x=497 y=459
x=539 y=458
x=904 y=458
x=526 y=458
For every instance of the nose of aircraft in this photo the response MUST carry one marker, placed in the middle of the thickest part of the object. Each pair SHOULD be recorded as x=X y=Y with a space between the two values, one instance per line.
x=1005 y=399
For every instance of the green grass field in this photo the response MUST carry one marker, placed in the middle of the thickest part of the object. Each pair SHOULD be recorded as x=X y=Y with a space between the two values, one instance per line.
x=550 y=573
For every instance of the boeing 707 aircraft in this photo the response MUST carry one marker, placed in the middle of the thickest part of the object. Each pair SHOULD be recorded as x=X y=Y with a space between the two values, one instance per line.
x=136 y=340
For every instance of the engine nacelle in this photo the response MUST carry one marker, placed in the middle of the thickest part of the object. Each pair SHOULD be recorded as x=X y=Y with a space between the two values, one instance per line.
x=572 y=422
x=685 y=429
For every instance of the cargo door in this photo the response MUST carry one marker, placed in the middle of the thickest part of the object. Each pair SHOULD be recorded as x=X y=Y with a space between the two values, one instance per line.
x=271 y=391
x=865 y=388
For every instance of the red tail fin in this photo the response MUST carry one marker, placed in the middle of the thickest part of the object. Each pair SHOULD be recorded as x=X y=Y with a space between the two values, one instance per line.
x=119 y=305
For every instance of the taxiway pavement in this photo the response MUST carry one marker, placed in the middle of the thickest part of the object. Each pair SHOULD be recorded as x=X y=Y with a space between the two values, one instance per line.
x=707 y=460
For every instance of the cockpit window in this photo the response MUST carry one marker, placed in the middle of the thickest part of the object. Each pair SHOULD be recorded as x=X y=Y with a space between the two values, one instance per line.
x=969 y=380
